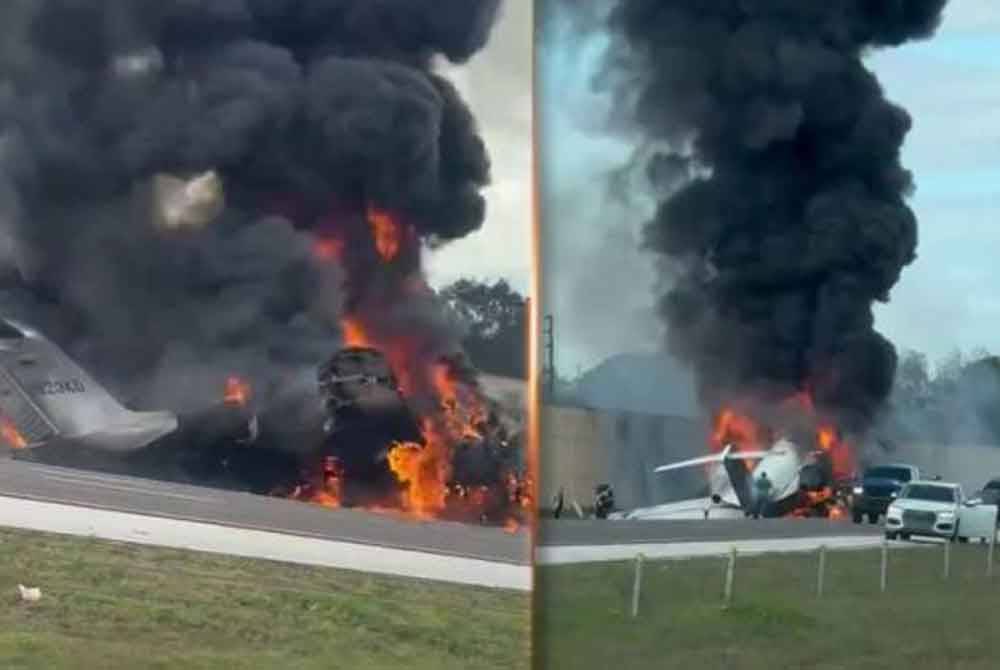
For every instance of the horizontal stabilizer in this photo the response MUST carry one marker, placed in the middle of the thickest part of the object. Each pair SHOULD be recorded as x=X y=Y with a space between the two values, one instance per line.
x=726 y=454
x=47 y=397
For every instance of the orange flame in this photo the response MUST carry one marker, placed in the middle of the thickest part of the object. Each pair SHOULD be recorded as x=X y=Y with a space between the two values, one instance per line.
x=736 y=429
x=744 y=433
x=237 y=392
x=462 y=412
x=11 y=435
x=840 y=451
x=325 y=499
x=329 y=492
x=354 y=333
x=386 y=232
x=424 y=470
x=328 y=249
x=820 y=503
x=826 y=437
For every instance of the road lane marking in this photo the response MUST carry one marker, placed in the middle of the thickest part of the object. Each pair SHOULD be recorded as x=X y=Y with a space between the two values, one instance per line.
x=148 y=491
x=214 y=538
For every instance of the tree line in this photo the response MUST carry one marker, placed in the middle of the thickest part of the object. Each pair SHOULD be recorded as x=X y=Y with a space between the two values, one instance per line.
x=494 y=321
x=958 y=401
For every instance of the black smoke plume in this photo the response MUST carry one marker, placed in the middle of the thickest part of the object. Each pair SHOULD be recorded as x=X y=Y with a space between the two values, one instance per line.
x=795 y=221
x=302 y=107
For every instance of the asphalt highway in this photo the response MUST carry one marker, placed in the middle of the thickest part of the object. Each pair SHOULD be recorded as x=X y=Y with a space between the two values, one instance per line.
x=99 y=491
x=592 y=532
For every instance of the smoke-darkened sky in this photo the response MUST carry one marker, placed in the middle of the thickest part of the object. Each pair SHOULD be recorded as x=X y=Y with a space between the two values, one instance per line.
x=945 y=299
x=316 y=115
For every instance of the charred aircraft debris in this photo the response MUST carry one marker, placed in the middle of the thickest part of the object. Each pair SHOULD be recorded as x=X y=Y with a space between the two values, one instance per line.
x=52 y=411
x=198 y=190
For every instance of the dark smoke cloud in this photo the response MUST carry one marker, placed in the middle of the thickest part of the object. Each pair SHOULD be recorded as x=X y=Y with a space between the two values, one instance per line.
x=798 y=220
x=298 y=104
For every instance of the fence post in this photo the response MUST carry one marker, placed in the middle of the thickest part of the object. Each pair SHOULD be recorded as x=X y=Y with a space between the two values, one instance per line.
x=730 y=574
x=885 y=564
x=821 y=571
x=993 y=544
x=947 y=558
x=637 y=585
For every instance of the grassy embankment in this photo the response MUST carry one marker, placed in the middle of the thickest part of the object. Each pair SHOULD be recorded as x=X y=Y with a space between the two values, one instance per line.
x=111 y=605
x=776 y=619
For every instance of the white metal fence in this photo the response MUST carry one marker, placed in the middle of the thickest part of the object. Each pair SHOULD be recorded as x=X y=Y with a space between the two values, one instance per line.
x=824 y=557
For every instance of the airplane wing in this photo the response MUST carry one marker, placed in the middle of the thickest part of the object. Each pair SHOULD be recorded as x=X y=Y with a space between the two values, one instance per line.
x=733 y=464
x=697 y=508
x=726 y=454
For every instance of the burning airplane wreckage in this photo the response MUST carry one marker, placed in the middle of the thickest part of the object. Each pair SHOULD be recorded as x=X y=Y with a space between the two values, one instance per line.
x=782 y=216
x=220 y=210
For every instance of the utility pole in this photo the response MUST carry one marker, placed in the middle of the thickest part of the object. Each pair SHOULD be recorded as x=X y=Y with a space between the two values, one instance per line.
x=549 y=364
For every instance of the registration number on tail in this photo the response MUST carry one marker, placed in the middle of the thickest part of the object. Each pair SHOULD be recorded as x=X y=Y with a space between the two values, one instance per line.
x=63 y=387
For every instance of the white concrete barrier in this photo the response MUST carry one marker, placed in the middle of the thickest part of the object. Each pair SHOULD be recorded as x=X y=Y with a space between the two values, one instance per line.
x=276 y=546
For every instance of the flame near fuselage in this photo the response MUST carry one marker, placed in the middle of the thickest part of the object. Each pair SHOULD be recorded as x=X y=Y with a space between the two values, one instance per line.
x=732 y=475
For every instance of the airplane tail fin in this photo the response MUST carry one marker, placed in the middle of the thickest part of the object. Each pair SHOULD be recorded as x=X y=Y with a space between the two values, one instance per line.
x=739 y=477
x=734 y=465
x=45 y=396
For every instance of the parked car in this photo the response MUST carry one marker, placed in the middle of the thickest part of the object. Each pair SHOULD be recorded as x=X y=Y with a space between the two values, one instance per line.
x=990 y=495
x=878 y=487
x=938 y=509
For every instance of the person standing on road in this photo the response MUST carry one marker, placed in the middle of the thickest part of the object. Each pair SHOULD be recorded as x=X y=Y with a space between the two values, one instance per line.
x=762 y=489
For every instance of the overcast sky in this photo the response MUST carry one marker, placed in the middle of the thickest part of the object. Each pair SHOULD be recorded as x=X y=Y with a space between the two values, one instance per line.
x=951 y=85
x=497 y=85
x=599 y=287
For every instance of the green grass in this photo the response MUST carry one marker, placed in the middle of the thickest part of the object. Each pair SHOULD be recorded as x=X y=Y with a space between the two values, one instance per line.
x=112 y=605
x=776 y=620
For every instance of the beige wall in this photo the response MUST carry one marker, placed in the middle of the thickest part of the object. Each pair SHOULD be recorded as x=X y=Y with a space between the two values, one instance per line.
x=969 y=465
x=572 y=457
x=581 y=448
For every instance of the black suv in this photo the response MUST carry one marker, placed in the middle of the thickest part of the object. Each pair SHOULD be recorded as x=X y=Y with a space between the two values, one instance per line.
x=878 y=487
x=990 y=495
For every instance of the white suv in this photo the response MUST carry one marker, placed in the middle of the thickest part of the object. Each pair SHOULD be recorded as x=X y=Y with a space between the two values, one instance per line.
x=938 y=509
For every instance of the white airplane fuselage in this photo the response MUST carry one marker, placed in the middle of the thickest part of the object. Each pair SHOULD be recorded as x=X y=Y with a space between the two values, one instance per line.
x=782 y=466
x=781 y=463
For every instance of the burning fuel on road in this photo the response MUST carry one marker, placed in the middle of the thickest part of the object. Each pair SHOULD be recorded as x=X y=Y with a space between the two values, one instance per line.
x=223 y=195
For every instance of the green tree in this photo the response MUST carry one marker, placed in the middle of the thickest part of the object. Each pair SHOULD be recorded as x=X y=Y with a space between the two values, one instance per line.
x=495 y=319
